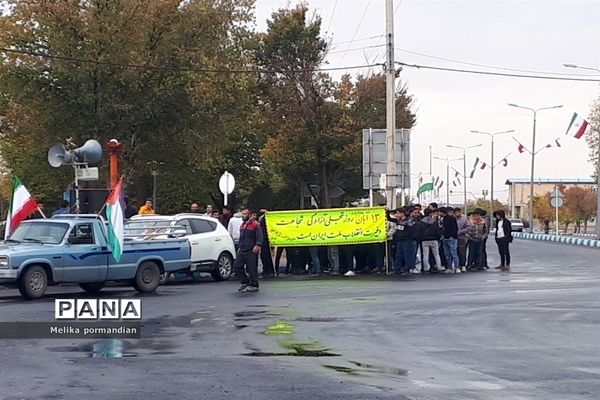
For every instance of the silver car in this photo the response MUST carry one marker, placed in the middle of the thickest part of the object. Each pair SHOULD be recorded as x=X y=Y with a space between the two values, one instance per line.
x=517 y=225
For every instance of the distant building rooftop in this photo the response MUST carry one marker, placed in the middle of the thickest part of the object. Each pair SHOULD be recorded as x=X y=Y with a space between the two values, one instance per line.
x=585 y=181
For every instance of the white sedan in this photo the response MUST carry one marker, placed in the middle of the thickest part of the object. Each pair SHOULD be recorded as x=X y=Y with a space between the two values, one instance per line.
x=212 y=247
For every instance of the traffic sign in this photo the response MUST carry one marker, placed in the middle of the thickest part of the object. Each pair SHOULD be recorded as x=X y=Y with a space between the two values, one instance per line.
x=226 y=184
x=557 y=201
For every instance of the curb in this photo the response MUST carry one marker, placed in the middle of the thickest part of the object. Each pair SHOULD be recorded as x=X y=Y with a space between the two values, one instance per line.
x=575 y=241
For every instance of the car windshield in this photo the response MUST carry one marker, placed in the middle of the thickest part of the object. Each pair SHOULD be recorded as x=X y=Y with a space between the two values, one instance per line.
x=40 y=232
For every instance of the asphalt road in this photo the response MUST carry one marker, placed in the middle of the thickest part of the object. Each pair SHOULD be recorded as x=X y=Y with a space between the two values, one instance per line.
x=528 y=334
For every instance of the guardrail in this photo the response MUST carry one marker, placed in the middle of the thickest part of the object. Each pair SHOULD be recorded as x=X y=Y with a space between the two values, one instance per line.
x=572 y=240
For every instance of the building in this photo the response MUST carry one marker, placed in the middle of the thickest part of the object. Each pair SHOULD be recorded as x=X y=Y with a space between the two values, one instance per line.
x=519 y=188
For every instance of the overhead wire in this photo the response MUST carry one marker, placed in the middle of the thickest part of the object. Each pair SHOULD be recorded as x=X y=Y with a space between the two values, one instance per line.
x=356 y=31
x=466 y=71
x=489 y=66
x=332 y=14
x=176 y=68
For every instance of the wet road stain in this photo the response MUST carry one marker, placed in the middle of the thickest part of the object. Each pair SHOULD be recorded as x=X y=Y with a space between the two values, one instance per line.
x=317 y=319
x=365 y=369
x=345 y=370
x=280 y=328
x=296 y=349
x=249 y=313
x=381 y=369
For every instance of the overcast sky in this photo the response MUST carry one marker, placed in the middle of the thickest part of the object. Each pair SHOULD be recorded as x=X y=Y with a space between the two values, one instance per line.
x=527 y=34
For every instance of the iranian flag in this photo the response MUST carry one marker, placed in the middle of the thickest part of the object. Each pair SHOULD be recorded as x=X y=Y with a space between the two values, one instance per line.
x=577 y=126
x=21 y=206
x=115 y=206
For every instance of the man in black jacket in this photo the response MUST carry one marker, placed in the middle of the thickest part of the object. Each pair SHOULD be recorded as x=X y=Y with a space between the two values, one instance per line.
x=406 y=245
x=251 y=240
x=450 y=240
x=429 y=233
x=503 y=239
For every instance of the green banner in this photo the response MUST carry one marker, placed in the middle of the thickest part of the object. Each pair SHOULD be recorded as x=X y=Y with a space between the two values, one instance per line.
x=326 y=227
x=425 y=188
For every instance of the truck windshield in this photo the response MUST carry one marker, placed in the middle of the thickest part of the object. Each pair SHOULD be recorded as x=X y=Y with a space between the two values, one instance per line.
x=40 y=232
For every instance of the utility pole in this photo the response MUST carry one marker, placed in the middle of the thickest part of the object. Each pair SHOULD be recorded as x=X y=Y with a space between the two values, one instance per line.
x=492 y=165
x=390 y=74
x=533 y=153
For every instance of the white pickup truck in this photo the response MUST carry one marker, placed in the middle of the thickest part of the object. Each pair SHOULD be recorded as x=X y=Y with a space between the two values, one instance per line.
x=212 y=247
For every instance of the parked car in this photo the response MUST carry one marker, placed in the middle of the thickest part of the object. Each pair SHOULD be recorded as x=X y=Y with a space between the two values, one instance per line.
x=73 y=248
x=212 y=247
x=517 y=225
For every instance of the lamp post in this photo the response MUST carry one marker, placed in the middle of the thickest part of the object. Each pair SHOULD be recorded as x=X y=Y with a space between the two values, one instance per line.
x=533 y=152
x=447 y=160
x=597 y=160
x=464 y=158
x=492 y=165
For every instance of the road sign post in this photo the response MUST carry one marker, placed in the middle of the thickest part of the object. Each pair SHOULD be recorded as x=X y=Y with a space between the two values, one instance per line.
x=226 y=185
x=556 y=200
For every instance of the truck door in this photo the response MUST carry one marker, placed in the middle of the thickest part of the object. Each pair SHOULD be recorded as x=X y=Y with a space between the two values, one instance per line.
x=85 y=258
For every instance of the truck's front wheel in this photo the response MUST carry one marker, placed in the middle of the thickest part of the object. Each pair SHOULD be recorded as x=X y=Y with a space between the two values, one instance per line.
x=147 y=277
x=33 y=283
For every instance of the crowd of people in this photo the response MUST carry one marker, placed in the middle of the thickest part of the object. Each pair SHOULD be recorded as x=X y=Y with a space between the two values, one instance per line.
x=431 y=240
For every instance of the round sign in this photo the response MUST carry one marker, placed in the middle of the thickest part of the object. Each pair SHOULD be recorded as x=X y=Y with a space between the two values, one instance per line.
x=557 y=201
x=226 y=183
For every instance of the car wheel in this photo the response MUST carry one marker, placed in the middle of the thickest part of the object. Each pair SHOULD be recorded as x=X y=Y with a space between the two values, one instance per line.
x=164 y=278
x=33 y=283
x=92 y=287
x=147 y=277
x=224 y=268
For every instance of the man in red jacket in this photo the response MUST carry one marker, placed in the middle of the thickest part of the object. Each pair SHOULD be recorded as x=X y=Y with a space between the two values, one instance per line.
x=250 y=243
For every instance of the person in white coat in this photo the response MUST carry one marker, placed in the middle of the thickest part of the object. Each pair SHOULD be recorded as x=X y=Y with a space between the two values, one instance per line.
x=235 y=223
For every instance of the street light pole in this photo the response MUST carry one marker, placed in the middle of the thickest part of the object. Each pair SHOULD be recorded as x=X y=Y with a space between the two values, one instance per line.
x=447 y=160
x=597 y=159
x=464 y=157
x=533 y=152
x=492 y=166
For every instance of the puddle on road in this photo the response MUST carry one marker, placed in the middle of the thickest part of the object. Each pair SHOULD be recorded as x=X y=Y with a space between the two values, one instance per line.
x=296 y=350
x=345 y=370
x=317 y=319
x=110 y=348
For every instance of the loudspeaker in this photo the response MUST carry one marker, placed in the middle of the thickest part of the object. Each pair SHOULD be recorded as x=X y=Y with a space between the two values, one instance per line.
x=90 y=152
x=90 y=200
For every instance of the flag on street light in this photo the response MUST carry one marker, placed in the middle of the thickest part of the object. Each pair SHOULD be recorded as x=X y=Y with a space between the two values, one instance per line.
x=440 y=184
x=504 y=162
x=521 y=148
x=483 y=165
x=474 y=167
x=577 y=126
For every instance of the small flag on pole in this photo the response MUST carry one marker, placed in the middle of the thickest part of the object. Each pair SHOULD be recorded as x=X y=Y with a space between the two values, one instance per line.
x=115 y=207
x=577 y=126
x=21 y=206
x=521 y=148
x=504 y=162
x=483 y=165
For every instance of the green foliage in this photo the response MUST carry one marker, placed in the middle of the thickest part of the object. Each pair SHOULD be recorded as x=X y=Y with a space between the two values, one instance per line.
x=276 y=131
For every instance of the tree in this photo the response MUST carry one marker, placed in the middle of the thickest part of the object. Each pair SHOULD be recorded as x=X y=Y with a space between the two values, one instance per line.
x=196 y=123
x=485 y=205
x=580 y=204
x=313 y=123
x=542 y=209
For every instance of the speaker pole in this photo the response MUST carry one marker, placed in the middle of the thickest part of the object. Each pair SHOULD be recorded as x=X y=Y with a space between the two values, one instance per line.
x=114 y=148
x=76 y=168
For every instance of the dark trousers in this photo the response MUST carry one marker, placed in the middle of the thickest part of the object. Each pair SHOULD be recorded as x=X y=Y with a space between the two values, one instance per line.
x=503 y=244
x=484 y=262
x=406 y=255
x=249 y=274
x=278 y=254
x=475 y=254
x=267 y=260
x=462 y=251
